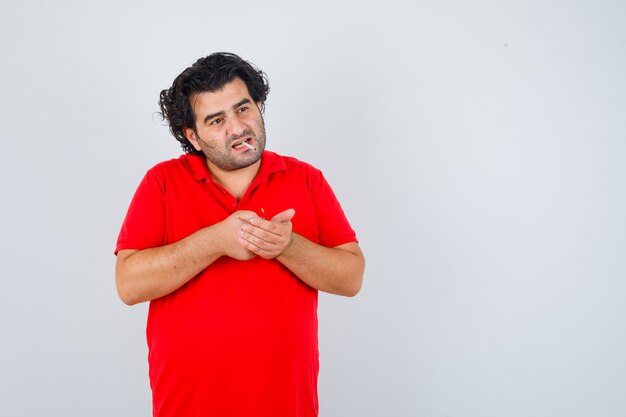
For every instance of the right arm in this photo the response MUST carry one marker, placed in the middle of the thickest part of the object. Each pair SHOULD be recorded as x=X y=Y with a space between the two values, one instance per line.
x=144 y=275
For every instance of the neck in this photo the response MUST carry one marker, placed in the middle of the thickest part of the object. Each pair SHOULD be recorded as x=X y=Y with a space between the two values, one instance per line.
x=235 y=182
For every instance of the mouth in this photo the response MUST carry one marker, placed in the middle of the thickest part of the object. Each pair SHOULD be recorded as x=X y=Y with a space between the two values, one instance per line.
x=243 y=144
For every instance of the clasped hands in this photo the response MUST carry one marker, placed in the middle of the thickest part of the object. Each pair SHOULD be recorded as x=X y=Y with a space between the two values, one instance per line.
x=248 y=235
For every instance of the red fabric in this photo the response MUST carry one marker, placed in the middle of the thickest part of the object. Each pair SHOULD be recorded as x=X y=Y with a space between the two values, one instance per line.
x=240 y=338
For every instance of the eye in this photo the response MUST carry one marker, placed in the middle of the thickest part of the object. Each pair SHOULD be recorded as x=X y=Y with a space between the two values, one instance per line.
x=216 y=121
x=242 y=109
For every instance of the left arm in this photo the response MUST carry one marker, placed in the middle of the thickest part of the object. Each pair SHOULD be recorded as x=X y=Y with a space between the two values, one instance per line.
x=337 y=270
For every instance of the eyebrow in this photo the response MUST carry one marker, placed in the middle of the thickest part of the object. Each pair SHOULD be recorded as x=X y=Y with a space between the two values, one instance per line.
x=221 y=113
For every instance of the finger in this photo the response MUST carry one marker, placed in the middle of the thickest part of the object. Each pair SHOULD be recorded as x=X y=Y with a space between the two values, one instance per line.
x=249 y=246
x=284 y=216
x=256 y=250
x=260 y=233
x=245 y=215
x=256 y=245
x=267 y=225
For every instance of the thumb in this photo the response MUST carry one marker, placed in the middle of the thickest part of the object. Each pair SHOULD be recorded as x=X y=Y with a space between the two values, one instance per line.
x=284 y=216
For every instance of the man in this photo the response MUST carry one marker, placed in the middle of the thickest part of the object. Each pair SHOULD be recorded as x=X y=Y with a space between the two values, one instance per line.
x=230 y=244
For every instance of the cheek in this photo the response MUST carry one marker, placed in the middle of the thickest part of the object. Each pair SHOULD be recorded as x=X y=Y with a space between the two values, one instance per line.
x=214 y=145
x=206 y=142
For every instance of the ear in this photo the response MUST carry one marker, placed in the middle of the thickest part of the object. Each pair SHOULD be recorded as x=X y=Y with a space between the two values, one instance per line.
x=191 y=137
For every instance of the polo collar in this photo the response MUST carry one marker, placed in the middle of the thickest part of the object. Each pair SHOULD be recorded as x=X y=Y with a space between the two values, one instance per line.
x=270 y=163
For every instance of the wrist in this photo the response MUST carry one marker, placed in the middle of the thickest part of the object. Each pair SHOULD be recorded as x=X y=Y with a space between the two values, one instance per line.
x=215 y=238
x=288 y=247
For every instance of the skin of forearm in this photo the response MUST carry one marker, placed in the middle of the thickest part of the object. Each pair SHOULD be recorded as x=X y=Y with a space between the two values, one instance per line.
x=152 y=273
x=336 y=270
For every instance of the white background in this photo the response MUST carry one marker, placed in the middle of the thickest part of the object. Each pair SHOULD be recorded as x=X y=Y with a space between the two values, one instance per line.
x=477 y=148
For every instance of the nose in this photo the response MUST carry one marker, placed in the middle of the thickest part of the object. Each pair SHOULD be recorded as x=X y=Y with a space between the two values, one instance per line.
x=234 y=126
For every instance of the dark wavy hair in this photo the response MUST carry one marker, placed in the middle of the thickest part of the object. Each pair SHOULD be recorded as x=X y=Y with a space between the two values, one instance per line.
x=208 y=74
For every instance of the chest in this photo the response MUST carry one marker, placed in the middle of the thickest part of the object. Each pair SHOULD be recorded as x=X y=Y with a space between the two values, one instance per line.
x=203 y=203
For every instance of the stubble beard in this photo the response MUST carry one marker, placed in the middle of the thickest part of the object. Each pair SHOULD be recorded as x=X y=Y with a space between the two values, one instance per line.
x=227 y=159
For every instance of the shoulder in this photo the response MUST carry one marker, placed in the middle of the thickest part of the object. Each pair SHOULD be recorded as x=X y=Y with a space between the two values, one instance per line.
x=170 y=165
x=174 y=171
x=183 y=165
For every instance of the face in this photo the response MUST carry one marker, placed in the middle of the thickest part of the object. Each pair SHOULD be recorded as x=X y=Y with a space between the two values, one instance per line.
x=229 y=127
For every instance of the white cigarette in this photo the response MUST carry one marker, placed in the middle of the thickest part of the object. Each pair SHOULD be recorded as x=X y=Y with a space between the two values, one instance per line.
x=249 y=146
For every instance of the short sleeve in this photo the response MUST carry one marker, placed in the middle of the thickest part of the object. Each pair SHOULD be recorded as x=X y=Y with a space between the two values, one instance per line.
x=144 y=225
x=334 y=228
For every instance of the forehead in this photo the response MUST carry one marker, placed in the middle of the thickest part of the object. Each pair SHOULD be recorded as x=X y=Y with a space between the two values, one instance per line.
x=220 y=100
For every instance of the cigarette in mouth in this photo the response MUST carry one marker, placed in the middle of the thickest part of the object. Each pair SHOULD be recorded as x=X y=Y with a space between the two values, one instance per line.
x=246 y=144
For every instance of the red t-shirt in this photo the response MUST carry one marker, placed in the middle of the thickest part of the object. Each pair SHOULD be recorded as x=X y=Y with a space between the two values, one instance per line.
x=240 y=338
